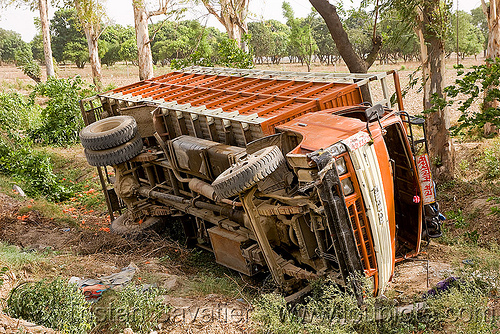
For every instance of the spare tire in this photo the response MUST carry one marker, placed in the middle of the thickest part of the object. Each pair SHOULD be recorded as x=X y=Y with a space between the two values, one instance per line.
x=247 y=172
x=115 y=155
x=108 y=132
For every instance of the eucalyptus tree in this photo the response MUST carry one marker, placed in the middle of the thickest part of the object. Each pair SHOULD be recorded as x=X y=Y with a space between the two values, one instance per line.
x=232 y=14
x=141 y=17
x=492 y=12
x=92 y=17
x=430 y=20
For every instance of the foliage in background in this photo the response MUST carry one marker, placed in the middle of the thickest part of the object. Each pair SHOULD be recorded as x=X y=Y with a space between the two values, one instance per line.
x=301 y=42
x=228 y=54
x=10 y=44
x=269 y=40
x=67 y=39
x=470 y=36
x=52 y=304
x=61 y=117
x=481 y=81
x=190 y=42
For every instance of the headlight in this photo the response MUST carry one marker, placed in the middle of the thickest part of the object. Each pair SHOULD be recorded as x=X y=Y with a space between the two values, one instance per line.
x=336 y=149
x=347 y=186
x=341 y=167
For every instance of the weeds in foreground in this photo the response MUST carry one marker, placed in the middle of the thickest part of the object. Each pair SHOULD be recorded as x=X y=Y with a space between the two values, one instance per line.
x=62 y=306
x=53 y=304
x=134 y=307
x=332 y=309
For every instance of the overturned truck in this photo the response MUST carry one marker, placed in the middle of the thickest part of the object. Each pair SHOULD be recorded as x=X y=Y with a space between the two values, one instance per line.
x=304 y=175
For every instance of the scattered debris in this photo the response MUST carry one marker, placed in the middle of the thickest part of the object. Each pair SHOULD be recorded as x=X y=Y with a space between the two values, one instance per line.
x=441 y=286
x=93 y=288
x=18 y=190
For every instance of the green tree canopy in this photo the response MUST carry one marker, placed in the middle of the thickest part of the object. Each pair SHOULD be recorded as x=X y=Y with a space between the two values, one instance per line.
x=67 y=38
x=10 y=44
x=470 y=37
x=301 y=42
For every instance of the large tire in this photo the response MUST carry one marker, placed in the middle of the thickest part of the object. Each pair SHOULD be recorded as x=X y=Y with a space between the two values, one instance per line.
x=108 y=132
x=115 y=155
x=124 y=226
x=247 y=172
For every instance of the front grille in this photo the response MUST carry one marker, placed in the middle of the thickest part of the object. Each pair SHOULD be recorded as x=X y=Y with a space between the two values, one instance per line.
x=362 y=233
x=359 y=221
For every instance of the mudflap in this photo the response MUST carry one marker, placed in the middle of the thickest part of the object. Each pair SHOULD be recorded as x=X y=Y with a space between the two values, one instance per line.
x=338 y=223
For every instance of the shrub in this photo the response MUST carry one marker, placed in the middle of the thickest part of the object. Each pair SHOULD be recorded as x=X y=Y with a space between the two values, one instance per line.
x=491 y=162
x=133 y=307
x=52 y=304
x=25 y=61
x=33 y=169
x=230 y=55
x=61 y=118
x=331 y=309
x=17 y=113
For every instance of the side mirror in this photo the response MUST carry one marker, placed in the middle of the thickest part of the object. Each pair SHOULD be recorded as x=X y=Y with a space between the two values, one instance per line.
x=374 y=112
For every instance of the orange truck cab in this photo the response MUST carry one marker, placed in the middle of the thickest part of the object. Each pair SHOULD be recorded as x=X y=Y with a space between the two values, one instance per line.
x=299 y=175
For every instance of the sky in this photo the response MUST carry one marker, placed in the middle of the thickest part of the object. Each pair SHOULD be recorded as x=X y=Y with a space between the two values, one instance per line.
x=120 y=11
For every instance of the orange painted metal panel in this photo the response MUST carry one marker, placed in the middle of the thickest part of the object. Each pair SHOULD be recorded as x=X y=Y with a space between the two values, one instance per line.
x=275 y=100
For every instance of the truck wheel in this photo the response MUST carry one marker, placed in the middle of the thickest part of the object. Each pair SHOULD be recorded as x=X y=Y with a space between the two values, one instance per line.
x=108 y=132
x=247 y=172
x=123 y=225
x=115 y=155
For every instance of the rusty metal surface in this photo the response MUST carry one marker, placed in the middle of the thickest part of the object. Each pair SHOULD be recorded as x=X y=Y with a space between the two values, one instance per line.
x=227 y=249
x=144 y=157
x=272 y=210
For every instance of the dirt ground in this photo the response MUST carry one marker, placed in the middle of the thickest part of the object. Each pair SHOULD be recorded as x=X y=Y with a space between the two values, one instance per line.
x=92 y=253
x=89 y=254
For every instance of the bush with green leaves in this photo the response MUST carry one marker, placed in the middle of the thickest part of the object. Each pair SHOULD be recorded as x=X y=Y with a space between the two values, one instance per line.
x=133 y=307
x=61 y=118
x=481 y=81
x=17 y=113
x=55 y=304
x=230 y=55
x=25 y=62
x=32 y=169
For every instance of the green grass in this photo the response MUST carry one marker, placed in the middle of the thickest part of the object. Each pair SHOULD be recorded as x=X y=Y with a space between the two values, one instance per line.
x=205 y=284
x=129 y=308
x=14 y=258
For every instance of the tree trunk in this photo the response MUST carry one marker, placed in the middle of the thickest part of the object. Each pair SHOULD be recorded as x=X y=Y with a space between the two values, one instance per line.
x=339 y=35
x=95 y=62
x=232 y=16
x=145 y=57
x=353 y=61
x=90 y=27
x=47 y=50
x=437 y=123
x=492 y=13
